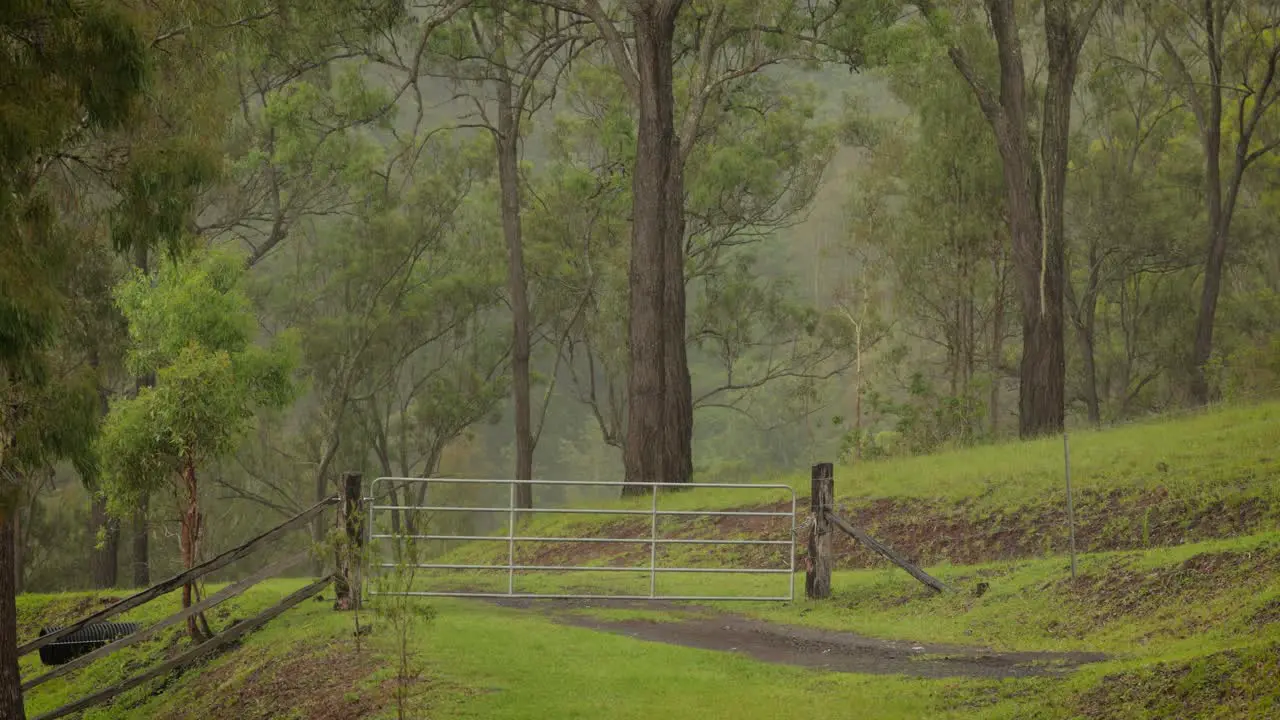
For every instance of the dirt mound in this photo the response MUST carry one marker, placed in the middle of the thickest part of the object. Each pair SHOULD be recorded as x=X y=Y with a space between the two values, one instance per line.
x=318 y=682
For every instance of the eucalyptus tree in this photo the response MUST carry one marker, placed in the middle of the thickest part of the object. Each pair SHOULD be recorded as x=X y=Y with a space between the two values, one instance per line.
x=195 y=330
x=930 y=213
x=720 y=46
x=391 y=304
x=1133 y=210
x=505 y=58
x=758 y=161
x=1222 y=57
x=76 y=71
x=1035 y=179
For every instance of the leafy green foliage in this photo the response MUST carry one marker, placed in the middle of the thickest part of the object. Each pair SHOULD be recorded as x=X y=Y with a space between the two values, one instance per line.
x=195 y=330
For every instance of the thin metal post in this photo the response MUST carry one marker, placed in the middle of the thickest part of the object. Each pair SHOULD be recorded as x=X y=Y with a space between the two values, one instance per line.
x=511 y=540
x=653 y=546
x=1071 y=510
x=791 y=590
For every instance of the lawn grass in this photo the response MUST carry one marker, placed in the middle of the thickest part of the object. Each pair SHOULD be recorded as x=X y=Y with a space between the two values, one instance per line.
x=1227 y=446
x=1180 y=621
x=1137 y=604
x=1235 y=447
x=484 y=661
x=1212 y=474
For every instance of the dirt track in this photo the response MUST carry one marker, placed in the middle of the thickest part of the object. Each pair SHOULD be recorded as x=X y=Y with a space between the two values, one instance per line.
x=805 y=647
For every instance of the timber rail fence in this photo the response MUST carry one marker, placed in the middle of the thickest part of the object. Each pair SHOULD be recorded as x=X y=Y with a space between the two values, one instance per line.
x=823 y=519
x=345 y=580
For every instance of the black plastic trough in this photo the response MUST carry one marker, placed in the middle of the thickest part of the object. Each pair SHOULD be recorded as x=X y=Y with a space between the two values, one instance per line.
x=82 y=641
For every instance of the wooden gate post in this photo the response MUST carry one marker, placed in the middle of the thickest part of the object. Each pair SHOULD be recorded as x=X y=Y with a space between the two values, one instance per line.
x=350 y=516
x=817 y=581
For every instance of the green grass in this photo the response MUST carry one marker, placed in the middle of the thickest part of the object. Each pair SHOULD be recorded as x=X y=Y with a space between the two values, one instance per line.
x=1204 y=476
x=1235 y=446
x=483 y=661
x=37 y=610
x=1030 y=604
x=1183 y=623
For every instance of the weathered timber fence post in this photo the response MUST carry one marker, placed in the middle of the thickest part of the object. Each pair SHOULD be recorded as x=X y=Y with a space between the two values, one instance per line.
x=817 y=581
x=350 y=516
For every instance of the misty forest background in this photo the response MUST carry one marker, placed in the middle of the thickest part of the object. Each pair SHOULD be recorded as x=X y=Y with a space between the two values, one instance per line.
x=327 y=193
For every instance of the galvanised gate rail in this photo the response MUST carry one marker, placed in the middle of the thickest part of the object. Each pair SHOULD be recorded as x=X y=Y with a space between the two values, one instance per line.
x=653 y=541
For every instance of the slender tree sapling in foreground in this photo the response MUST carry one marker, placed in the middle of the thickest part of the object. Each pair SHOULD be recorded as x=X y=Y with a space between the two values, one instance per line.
x=196 y=331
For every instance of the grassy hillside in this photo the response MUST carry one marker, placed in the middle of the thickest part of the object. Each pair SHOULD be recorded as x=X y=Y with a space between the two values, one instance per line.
x=1185 y=628
x=1205 y=476
x=1188 y=618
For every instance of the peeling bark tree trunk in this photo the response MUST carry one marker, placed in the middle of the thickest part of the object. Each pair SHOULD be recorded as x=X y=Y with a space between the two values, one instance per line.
x=10 y=677
x=678 y=411
x=190 y=538
x=1035 y=219
x=103 y=563
x=647 y=450
x=507 y=140
x=1063 y=39
x=141 y=543
x=141 y=522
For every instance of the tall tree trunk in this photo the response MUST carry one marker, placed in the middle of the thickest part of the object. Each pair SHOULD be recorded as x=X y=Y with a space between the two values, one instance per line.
x=1048 y=402
x=10 y=678
x=678 y=413
x=1035 y=220
x=19 y=554
x=1041 y=374
x=141 y=519
x=103 y=561
x=996 y=360
x=1215 y=260
x=507 y=141
x=644 y=455
x=190 y=537
x=141 y=545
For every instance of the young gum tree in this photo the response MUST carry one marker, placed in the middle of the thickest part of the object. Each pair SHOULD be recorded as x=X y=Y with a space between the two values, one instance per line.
x=195 y=330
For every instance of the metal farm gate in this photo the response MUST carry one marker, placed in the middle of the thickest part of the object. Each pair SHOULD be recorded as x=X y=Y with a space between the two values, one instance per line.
x=426 y=532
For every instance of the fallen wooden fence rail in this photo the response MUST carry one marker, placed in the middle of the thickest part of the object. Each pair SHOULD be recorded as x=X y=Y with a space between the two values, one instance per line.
x=219 y=641
x=225 y=593
x=924 y=577
x=213 y=644
x=822 y=508
x=180 y=579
